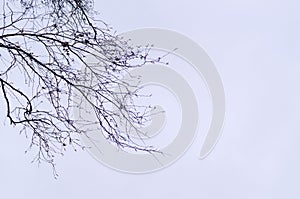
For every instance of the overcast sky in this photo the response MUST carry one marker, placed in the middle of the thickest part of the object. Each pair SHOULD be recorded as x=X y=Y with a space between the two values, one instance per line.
x=255 y=46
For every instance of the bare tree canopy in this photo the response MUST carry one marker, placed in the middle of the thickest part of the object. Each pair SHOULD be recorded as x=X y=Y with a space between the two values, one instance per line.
x=46 y=42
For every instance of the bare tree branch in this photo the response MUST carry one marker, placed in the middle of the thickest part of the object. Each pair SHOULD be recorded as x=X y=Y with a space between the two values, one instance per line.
x=47 y=41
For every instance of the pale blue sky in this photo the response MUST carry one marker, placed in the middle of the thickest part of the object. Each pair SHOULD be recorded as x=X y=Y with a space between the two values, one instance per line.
x=255 y=46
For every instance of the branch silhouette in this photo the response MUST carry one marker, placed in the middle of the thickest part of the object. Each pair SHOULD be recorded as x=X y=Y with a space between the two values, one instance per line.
x=46 y=42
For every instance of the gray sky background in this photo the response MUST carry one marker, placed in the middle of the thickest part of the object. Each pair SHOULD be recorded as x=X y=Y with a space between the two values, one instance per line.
x=255 y=45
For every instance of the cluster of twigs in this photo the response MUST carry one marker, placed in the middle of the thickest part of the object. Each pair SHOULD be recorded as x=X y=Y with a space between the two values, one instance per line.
x=47 y=42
